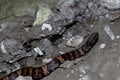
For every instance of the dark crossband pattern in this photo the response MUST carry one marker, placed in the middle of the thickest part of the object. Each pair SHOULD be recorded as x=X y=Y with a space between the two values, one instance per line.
x=39 y=72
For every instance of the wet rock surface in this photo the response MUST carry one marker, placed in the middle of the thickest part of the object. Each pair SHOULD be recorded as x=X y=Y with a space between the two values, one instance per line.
x=22 y=42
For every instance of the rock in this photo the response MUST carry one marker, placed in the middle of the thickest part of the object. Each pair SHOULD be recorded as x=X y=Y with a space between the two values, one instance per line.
x=118 y=37
x=42 y=15
x=46 y=60
x=75 y=41
x=38 y=51
x=82 y=69
x=3 y=48
x=102 y=45
x=109 y=32
x=111 y=4
x=46 y=26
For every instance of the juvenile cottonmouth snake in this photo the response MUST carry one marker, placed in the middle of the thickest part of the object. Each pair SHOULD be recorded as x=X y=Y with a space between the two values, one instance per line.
x=39 y=72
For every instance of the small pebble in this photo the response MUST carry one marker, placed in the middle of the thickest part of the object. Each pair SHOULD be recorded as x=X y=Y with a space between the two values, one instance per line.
x=81 y=75
x=118 y=37
x=23 y=78
x=27 y=29
x=46 y=26
x=75 y=41
x=91 y=26
x=67 y=75
x=102 y=75
x=61 y=52
x=111 y=4
x=109 y=32
x=102 y=45
x=42 y=15
x=46 y=60
x=3 y=48
x=38 y=51
x=107 y=15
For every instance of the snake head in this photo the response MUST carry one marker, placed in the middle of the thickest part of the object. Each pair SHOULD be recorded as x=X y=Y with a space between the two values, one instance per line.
x=91 y=41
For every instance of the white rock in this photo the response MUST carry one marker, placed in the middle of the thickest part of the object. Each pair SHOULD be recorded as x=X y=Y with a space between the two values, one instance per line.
x=61 y=52
x=23 y=78
x=67 y=75
x=38 y=51
x=102 y=45
x=46 y=60
x=82 y=70
x=91 y=26
x=3 y=48
x=109 y=32
x=81 y=75
x=20 y=78
x=117 y=37
x=27 y=29
x=46 y=26
x=111 y=4
x=75 y=41
x=107 y=15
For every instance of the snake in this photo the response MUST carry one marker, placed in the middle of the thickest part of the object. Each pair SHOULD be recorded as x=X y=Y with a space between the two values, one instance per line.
x=40 y=72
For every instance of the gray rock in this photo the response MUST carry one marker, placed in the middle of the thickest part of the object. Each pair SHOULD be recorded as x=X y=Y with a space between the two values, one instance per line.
x=42 y=15
x=23 y=78
x=109 y=32
x=12 y=46
x=75 y=41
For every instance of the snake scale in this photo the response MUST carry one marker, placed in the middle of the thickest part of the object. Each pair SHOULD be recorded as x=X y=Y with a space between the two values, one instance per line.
x=38 y=73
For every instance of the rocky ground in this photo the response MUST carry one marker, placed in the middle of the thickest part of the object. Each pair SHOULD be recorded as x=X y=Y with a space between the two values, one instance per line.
x=34 y=32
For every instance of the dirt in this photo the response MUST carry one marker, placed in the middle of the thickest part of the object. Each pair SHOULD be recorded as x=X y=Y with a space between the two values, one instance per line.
x=75 y=18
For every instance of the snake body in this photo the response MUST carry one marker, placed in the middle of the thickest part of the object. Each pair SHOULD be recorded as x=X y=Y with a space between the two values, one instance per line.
x=38 y=73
